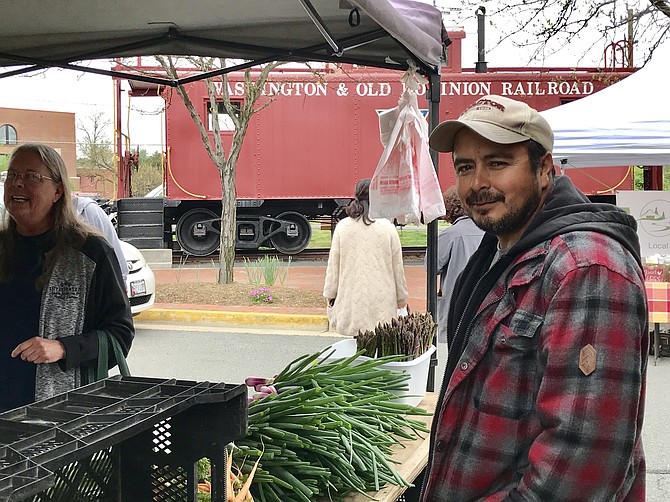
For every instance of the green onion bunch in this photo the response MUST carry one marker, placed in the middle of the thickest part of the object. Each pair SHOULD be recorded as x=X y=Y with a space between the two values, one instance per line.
x=410 y=335
x=327 y=431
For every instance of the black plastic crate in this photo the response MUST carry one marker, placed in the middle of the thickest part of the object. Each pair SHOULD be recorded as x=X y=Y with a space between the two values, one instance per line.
x=9 y=458
x=123 y=438
x=27 y=480
x=116 y=388
x=46 y=446
x=86 y=480
x=78 y=403
x=10 y=432
x=39 y=416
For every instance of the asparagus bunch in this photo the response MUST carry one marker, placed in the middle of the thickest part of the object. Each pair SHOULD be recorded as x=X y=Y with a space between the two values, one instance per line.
x=409 y=335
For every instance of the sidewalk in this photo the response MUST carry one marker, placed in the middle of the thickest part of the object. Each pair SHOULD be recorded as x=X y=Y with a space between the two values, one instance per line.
x=302 y=276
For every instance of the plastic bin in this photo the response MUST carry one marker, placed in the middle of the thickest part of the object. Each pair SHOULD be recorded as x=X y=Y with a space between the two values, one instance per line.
x=417 y=369
x=120 y=439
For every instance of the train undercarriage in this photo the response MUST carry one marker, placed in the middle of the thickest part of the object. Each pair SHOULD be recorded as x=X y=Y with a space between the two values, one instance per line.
x=284 y=225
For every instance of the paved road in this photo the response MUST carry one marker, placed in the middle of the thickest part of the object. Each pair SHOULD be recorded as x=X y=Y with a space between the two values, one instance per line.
x=656 y=431
x=213 y=354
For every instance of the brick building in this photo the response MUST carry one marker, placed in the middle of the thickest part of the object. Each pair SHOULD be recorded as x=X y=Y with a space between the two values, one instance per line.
x=56 y=129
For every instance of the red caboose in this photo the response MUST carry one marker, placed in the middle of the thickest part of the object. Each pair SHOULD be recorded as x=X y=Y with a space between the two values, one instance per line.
x=304 y=152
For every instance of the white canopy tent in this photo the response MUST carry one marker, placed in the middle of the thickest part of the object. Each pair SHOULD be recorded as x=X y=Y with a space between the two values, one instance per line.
x=625 y=124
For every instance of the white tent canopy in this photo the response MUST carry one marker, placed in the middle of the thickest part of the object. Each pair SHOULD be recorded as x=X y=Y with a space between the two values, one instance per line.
x=625 y=124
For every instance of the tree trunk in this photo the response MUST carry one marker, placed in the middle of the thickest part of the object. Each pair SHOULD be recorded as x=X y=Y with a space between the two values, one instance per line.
x=228 y=226
x=226 y=166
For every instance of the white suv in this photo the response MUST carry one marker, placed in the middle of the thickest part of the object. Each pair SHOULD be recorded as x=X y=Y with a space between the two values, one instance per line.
x=140 y=283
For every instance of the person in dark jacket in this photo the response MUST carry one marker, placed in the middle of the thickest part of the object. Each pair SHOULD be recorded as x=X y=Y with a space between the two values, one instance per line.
x=60 y=281
x=455 y=245
x=544 y=388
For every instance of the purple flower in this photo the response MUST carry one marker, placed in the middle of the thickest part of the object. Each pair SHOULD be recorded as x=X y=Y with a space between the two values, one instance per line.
x=257 y=381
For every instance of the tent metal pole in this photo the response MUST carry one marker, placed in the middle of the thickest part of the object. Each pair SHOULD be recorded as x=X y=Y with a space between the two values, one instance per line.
x=321 y=26
x=431 y=237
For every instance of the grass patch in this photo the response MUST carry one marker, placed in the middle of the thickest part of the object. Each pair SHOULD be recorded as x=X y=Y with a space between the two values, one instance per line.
x=412 y=237
x=320 y=239
x=409 y=236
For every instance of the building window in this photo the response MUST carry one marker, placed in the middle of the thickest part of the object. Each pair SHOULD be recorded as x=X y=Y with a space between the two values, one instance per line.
x=225 y=122
x=7 y=135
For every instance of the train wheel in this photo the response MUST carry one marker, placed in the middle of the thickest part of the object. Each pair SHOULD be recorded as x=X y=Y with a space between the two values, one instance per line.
x=198 y=232
x=297 y=235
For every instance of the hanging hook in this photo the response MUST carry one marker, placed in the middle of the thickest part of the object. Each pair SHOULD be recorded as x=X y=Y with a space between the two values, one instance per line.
x=354 y=18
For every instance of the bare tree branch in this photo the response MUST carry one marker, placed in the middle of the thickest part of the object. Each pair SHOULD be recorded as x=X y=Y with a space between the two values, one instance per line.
x=168 y=65
x=547 y=27
x=662 y=6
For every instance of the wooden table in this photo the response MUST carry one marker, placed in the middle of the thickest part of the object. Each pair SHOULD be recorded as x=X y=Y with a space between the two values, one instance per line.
x=413 y=457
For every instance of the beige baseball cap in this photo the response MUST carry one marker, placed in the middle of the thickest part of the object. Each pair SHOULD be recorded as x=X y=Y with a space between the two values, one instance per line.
x=498 y=119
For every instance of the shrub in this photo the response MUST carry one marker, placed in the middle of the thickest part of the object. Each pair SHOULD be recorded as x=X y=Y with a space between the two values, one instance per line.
x=266 y=270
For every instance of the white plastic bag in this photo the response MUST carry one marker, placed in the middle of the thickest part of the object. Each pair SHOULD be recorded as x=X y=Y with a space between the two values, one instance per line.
x=404 y=184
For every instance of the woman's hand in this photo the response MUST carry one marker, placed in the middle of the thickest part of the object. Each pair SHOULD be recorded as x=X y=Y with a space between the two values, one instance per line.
x=40 y=350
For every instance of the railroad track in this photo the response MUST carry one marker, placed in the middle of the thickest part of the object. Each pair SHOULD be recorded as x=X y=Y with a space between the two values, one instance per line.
x=180 y=258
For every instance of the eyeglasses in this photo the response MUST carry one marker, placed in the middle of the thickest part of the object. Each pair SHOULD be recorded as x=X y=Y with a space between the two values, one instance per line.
x=28 y=177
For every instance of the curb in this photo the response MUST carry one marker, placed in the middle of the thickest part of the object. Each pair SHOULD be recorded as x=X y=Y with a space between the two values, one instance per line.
x=303 y=322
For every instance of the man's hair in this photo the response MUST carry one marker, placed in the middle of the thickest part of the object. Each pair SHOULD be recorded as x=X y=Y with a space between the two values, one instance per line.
x=360 y=206
x=452 y=205
x=68 y=230
x=535 y=153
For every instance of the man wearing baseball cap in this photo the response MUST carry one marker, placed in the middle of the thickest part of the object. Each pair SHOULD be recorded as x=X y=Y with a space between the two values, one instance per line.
x=543 y=393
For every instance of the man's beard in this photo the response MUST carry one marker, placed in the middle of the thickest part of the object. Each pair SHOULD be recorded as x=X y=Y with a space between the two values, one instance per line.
x=511 y=221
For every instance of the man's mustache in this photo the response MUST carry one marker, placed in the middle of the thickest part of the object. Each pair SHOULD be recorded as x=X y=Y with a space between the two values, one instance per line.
x=483 y=198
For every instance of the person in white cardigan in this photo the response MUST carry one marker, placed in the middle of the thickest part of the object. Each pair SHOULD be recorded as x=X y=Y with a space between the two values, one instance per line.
x=365 y=279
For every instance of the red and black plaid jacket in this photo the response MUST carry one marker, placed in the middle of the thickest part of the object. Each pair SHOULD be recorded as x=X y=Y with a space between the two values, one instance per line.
x=519 y=420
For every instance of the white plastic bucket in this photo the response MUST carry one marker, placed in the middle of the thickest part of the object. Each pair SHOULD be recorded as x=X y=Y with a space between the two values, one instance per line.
x=417 y=369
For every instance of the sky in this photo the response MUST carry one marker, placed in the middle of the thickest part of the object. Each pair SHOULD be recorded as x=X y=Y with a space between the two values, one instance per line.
x=588 y=51
x=87 y=94
x=83 y=94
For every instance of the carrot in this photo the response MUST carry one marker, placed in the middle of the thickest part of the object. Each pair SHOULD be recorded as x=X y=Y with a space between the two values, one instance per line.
x=244 y=494
x=229 y=477
x=205 y=487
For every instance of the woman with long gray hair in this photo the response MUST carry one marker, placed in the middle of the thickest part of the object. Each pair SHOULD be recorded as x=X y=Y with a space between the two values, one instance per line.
x=365 y=279
x=60 y=282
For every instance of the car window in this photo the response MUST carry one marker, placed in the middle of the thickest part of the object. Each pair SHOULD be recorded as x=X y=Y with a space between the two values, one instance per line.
x=155 y=192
